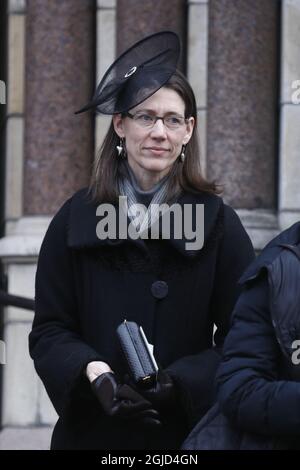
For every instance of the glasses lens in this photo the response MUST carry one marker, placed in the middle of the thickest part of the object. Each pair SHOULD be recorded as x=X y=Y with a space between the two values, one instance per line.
x=144 y=120
x=173 y=121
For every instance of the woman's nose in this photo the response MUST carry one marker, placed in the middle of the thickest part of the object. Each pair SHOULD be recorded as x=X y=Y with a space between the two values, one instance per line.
x=159 y=129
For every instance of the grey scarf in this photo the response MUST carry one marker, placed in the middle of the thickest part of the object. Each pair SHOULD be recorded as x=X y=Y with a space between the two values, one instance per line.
x=128 y=186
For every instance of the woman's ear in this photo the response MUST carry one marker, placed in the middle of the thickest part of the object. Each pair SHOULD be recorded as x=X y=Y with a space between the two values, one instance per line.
x=189 y=130
x=119 y=125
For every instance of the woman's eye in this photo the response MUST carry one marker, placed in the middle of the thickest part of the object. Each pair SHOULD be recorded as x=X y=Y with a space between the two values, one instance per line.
x=173 y=120
x=144 y=117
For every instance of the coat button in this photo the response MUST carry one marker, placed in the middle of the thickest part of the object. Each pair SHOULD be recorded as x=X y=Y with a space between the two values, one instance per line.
x=159 y=289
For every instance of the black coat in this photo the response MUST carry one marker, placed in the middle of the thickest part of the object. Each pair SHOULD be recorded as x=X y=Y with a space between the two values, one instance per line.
x=85 y=287
x=258 y=383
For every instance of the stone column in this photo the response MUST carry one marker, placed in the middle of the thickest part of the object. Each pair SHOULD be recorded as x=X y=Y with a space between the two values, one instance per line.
x=106 y=51
x=289 y=167
x=242 y=100
x=59 y=79
x=3 y=102
x=136 y=19
x=15 y=110
x=197 y=44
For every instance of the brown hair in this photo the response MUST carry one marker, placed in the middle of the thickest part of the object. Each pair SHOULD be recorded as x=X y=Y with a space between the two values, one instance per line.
x=187 y=175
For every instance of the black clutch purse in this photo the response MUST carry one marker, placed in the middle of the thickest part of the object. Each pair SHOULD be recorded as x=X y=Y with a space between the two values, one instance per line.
x=142 y=366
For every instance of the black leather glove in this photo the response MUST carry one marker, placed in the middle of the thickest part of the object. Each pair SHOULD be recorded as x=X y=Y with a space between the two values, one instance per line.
x=163 y=393
x=121 y=401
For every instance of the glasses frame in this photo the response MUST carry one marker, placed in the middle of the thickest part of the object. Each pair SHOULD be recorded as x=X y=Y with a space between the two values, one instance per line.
x=156 y=118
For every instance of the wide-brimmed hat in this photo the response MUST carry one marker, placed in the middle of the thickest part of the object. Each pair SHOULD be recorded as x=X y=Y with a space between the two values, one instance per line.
x=138 y=73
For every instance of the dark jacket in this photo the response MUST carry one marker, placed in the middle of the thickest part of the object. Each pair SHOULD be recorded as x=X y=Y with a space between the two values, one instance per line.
x=258 y=383
x=216 y=432
x=85 y=287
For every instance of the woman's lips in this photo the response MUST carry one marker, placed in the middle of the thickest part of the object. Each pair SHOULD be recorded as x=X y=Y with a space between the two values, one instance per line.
x=157 y=150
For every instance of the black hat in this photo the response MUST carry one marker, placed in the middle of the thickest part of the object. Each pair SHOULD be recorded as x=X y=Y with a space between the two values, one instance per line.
x=137 y=74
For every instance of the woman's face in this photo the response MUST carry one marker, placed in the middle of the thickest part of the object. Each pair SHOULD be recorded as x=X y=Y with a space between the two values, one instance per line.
x=154 y=149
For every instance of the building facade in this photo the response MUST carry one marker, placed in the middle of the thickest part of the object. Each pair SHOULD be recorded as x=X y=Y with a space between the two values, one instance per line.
x=242 y=59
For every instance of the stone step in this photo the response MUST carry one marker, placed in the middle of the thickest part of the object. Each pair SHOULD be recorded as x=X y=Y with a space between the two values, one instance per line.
x=36 y=438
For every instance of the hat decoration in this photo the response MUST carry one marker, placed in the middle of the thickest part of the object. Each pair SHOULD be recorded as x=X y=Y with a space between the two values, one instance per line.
x=137 y=74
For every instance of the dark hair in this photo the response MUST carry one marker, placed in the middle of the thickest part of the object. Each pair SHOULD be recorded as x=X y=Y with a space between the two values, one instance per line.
x=187 y=175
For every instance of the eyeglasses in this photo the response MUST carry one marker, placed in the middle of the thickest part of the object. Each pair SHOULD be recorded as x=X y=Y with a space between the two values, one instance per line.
x=171 y=121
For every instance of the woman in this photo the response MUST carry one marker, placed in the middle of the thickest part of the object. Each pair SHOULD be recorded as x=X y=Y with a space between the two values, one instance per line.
x=89 y=280
x=259 y=377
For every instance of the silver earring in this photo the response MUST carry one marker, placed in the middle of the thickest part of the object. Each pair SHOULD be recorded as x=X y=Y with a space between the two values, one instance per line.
x=182 y=155
x=121 y=149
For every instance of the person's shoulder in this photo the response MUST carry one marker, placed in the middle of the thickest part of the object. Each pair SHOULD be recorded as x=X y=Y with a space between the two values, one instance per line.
x=212 y=212
x=61 y=219
x=230 y=214
x=82 y=196
x=78 y=199
x=233 y=225
x=201 y=197
x=212 y=203
x=217 y=211
x=271 y=252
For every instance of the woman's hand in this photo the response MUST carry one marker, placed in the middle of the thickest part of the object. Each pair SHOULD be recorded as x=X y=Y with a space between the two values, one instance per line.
x=120 y=400
x=163 y=393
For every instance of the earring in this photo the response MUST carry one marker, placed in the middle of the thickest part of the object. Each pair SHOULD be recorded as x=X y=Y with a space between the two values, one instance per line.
x=182 y=155
x=121 y=149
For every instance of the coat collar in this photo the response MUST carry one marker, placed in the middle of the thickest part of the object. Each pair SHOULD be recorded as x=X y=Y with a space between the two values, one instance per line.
x=83 y=221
